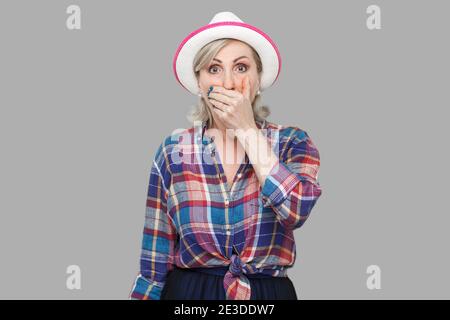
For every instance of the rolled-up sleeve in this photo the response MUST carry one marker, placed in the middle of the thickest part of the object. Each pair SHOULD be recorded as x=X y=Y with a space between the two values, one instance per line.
x=291 y=188
x=159 y=235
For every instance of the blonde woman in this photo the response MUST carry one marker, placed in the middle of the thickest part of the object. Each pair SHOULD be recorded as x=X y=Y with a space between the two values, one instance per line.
x=226 y=195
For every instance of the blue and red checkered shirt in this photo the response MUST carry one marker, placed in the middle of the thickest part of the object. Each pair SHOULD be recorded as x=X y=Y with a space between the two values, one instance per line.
x=193 y=219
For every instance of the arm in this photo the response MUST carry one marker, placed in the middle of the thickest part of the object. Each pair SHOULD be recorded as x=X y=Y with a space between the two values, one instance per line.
x=289 y=182
x=159 y=236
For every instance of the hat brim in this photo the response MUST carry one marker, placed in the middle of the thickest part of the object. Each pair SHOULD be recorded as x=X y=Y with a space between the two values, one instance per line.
x=261 y=42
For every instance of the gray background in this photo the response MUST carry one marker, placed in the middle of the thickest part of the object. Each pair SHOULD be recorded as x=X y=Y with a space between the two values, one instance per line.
x=82 y=113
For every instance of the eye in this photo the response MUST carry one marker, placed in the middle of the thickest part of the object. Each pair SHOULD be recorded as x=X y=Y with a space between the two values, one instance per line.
x=243 y=65
x=214 y=66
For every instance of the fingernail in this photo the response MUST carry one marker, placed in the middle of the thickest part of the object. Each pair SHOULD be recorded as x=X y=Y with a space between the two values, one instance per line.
x=210 y=89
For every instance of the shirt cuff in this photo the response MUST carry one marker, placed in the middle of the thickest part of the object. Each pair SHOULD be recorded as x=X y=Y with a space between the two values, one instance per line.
x=278 y=184
x=146 y=290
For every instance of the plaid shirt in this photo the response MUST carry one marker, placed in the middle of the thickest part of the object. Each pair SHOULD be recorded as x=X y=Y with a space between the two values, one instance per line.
x=193 y=219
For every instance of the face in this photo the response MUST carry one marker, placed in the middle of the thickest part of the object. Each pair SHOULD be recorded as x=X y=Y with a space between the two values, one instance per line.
x=228 y=68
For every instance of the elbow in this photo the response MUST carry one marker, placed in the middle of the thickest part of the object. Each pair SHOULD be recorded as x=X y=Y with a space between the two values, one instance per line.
x=296 y=222
x=297 y=218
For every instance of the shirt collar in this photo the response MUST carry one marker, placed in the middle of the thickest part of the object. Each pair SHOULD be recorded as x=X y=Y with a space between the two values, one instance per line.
x=201 y=128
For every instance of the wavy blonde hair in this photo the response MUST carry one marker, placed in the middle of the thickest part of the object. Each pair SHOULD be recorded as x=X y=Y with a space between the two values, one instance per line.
x=204 y=56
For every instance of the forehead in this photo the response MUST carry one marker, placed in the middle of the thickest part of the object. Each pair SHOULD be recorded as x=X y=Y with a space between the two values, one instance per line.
x=235 y=49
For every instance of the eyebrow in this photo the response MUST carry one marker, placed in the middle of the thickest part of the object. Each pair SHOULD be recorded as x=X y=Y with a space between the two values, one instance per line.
x=233 y=60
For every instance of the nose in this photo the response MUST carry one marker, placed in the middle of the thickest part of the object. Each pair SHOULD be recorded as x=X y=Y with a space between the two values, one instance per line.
x=228 y=80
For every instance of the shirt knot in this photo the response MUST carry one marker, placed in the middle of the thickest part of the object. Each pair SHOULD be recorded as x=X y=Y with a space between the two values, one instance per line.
x=236 y=265
x=236 y=284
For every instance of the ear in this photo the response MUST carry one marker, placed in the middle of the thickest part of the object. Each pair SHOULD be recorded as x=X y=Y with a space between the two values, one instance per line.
x=258 y=87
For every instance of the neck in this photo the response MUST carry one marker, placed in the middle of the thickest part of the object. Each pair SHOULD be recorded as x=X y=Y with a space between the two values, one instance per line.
x=219 y=127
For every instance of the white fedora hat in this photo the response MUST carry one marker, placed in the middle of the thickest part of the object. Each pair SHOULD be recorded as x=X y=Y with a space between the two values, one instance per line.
x=226 y=25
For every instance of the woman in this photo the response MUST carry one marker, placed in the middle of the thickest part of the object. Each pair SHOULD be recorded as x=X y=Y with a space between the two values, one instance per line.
x=219 y=229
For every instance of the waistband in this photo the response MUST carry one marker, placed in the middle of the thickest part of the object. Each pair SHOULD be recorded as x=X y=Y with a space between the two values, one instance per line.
x=220 y=271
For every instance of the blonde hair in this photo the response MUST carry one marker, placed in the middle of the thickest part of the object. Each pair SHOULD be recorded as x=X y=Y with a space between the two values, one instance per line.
x=204 y=56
